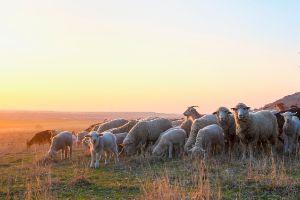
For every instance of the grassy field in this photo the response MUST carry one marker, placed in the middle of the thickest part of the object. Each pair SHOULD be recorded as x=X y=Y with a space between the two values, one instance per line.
x=140 y=177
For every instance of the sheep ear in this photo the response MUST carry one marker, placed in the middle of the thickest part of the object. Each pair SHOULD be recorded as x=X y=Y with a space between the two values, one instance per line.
x=214 y=113
x=248 y=108
x=229 y=112
x=234 y=109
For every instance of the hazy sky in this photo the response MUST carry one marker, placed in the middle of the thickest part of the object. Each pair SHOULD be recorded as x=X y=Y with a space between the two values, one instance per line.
x=147 y=55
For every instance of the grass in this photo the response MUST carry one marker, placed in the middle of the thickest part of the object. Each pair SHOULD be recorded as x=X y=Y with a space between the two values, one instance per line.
x=140 y=177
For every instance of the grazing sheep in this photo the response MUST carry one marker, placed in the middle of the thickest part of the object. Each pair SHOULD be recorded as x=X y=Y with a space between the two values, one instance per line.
x=226 y=120
x=125 y=128
x=143 y=133
x=291 y=132
x=62 y=141
x=253 y=128
x=111 y=124
x=102 y=143
x=171 y=137
x=209 y=140
x=197 y=125
x=43 y=137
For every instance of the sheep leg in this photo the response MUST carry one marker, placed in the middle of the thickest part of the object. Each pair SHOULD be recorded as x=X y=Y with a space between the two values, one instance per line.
x=97 y=163
x=170 y=150
x=93 y=155
x=116 y=157
x=181 y=149
x=244 y=149
x=62 y=153
x=71 y=151
x=251 y=152
x=107 y=158
x=66 y=152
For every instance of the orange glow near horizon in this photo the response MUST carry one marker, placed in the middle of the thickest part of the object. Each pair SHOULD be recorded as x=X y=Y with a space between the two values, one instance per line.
x=99 y=57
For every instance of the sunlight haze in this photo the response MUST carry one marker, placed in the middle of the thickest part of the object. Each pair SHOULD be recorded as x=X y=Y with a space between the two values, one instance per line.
x=157 y=56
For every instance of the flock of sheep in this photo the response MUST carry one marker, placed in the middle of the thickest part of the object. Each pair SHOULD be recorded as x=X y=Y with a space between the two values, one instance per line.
x=197 y=135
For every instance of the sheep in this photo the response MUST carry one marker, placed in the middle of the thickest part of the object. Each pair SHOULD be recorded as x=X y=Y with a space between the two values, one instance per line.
x=125 y=128
x=144 y=132
x=291 y=132
x=209 y=140
x=226 y=121
x=41 y=138
x=111 y=124
x=102 y=143
x=171 y=137
x=62 y=141
x=197 y=125
x=252 y=128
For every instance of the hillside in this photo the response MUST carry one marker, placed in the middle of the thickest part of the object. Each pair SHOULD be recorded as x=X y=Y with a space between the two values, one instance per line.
x=293 y=99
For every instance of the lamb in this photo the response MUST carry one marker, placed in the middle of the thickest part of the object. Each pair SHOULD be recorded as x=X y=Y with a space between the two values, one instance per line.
x=198 y=124
x=43 y=137
x=111 y=124
x=102 y=143
x=62 y=141
x=125 y=128
x=209 y=140
x=252 y=128
x=291 y=132
x=171 y=137
x=226 y=120
x=143 y=133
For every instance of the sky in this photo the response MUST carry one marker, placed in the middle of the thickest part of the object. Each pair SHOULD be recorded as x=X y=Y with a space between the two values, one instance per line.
x=140 y=55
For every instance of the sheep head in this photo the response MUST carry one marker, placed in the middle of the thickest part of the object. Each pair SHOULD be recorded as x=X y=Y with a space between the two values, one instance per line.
x=157 y=151
x=129 y=146
x=288 y=116
x=222 y=114
x=241 y=112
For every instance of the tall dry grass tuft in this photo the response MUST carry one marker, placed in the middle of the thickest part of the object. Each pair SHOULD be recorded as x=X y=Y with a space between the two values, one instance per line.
x=173 y=188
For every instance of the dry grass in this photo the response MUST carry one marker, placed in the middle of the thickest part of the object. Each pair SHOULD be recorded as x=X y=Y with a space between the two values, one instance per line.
x=143 y=177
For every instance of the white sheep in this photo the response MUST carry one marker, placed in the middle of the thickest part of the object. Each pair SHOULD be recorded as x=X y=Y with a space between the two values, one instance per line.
x=143 y=133
x=198 y=124
x=171 y=137
x=291 y=132
x=209 y=140
x=62 y=141
x=100 y=144
x=111 y=124
x=252 y=128
x=226 y=121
